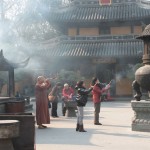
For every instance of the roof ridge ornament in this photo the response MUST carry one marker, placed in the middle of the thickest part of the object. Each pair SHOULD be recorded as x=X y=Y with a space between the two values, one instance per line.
x=144 y=3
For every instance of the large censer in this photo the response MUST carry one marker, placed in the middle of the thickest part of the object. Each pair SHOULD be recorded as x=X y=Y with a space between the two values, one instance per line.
x=142 y=75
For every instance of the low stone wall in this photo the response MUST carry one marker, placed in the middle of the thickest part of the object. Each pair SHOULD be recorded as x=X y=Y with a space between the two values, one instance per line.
x=26 y=139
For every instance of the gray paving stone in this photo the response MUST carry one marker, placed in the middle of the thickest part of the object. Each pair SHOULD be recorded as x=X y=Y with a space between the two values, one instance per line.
x=114 y=134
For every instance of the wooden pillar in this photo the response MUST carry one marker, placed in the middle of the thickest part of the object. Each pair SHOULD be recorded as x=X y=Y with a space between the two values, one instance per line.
x=11 y=90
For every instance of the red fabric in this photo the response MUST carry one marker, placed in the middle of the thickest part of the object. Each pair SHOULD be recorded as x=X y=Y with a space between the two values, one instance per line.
x=67 y=92
x=96 y=92
x=42 y=112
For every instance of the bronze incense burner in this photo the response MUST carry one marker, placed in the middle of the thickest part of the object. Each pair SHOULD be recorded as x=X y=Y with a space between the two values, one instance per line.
x=142 y=75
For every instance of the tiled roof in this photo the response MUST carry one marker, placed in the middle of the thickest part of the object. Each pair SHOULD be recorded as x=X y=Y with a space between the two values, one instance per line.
x=128 y=48
x=94 y=13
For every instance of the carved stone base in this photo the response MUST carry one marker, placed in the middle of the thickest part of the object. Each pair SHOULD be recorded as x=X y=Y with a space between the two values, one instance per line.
x=141 y=119
x=71 y=107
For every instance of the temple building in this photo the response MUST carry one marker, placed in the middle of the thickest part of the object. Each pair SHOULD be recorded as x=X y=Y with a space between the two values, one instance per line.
x=99 y=39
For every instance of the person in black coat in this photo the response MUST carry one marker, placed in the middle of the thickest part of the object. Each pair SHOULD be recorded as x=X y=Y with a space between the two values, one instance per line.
x=55 y=92
x=81 y=99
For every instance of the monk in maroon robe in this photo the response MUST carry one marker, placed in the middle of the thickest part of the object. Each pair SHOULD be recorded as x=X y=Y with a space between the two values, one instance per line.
x=42 y=112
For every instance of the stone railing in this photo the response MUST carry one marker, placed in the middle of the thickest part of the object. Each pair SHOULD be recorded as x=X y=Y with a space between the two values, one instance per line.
x=57 y=4
x=96 y=2
x=76 y=38
x=97 y=38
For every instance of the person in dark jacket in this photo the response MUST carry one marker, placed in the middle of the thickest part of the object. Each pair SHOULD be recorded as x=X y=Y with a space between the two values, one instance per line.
x=98 y=89
x=81 y=99
x=55 y=92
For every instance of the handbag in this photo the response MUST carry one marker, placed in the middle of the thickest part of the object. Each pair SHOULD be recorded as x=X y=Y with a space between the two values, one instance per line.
x=51 y=98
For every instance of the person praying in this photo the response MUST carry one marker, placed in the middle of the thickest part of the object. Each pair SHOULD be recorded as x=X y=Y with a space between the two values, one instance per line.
x=42 y=112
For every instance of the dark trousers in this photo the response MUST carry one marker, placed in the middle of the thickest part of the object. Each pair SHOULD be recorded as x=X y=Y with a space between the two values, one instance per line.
x=54 y=109
x=63 y=106
x=96 y=112
x=64 y=110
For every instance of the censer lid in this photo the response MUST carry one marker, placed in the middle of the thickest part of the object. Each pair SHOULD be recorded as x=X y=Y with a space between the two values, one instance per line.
x=145 y=33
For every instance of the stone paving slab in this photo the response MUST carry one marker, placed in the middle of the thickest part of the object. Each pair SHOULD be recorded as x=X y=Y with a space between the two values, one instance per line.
x=114 y=134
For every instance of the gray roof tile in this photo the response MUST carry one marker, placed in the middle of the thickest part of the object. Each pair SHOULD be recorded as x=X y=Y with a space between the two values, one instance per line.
x=122 y=48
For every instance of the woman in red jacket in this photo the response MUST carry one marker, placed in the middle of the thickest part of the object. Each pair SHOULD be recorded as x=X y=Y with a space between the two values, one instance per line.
x=96 y=92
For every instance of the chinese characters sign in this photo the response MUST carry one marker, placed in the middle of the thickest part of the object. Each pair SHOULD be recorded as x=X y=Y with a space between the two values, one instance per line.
x=104 y=2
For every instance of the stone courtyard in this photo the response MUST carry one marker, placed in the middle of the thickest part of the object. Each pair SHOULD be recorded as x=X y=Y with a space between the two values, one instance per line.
x=114 y=134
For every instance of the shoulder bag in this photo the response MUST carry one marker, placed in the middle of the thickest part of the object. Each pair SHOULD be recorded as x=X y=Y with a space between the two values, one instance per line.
x=51 y=98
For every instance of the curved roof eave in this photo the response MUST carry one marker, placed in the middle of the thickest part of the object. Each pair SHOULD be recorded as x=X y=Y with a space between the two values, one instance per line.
x=117 y=49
